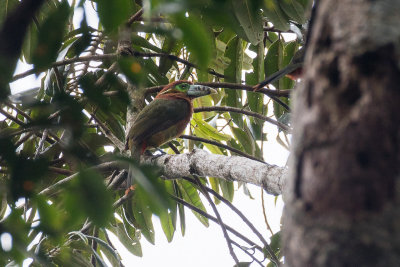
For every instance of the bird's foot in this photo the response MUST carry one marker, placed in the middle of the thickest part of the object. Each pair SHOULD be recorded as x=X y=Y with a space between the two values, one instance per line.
x=130 y=189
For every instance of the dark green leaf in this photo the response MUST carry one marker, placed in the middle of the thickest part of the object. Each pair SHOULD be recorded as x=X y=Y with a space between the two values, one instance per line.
x=113 y=13
x=190 y=194
x=294 y=10
x=93 y=197
x=274 y=13
x=233 y=73
x=196 y=37
x=250 y=20
x=50 y=36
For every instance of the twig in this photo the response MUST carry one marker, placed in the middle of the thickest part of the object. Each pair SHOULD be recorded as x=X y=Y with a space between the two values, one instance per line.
x=212 y=218
x=246 y=112
x=68 y=61
x=211 y=142
x=108 y=133
x=204 y=191
x=241 y=215
x=135 y=17
x=264 y=212
x=101 y=167
x=248 y=253
x=41 y=143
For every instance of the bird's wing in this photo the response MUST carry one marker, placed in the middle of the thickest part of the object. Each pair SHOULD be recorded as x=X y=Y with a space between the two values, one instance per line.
x=159 y=115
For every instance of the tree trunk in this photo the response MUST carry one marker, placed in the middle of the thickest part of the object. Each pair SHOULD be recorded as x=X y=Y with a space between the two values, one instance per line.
x=343 y=193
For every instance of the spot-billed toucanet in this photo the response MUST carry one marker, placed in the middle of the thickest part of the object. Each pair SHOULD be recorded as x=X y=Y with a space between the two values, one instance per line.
x=165 y=118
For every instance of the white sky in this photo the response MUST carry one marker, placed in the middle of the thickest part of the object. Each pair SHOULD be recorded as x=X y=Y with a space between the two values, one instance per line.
x=200 y=246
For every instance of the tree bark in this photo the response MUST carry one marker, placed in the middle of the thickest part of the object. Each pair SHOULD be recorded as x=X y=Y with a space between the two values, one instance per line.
x=343 y=191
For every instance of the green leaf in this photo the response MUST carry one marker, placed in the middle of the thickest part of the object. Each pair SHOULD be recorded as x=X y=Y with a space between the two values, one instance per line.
x=274 y=14
x=167 y=225
x=250 y=19
x=170 y=46
x=143 y=215
x=132 y=69
x=181 y=209
x=131 y=243
x=210 y=131
x=276 y=243
x=138 y=41
x=214 y=182
x=113 y=13
x=227 y=189
x=50 y=37
x=196 y=38
x=51 y=220
x=6 y=6
x=190 y=194
x=111 y=254
x=93 y=197
x=233 y=73
x=294 y=10
x=273 y=60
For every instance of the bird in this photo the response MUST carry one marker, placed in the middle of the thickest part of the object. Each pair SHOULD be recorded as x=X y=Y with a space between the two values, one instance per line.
x=293 y=70
x=163 y=119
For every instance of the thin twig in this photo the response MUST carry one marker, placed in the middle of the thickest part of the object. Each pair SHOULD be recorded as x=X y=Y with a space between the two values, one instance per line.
x=241 y=215
x=248 y=253
x=204 y=191
x=211 y=142
x=212 y=218
x=264 y=212
x=135 y=17
x=41 y=143
x=246 y=112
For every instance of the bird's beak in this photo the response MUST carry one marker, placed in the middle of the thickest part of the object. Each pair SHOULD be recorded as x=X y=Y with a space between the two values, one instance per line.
x=196 y=90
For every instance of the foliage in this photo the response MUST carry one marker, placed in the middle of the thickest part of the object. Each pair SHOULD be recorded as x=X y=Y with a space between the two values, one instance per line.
x=53 y=156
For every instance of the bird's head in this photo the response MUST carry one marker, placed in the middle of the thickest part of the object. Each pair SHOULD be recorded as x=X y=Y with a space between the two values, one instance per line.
x=185 y=89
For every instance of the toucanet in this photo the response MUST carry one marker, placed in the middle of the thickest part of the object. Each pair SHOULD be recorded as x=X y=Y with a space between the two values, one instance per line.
x=164 y=118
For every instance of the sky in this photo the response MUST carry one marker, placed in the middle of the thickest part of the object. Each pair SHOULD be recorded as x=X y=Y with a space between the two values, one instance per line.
x=200 y=246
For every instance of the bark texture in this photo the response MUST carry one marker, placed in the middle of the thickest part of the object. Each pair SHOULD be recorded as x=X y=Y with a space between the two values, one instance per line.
x=232 y=168
x=343 y=193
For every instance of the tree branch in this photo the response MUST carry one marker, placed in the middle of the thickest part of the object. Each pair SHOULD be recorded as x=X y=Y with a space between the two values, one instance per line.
x=232 y=168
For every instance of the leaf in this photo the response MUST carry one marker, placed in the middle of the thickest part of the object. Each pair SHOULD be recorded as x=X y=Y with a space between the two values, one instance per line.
x=250 y=19
x=294 y=10
x=210 y=131
x=132 y=244
x=227 y=189
x=276 y=243
x=113 y=13
x=139 y=41
x=196 y=38
x=167 y=225
x=233 y=73
x=50 y=36
x=273 y=60
x=190 y=194
x=91 y=195
x=170 y=46
x=143 y=216
x=274 y=14
x=6 y=6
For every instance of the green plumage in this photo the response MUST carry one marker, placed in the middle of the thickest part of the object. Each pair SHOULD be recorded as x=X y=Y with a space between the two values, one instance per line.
x=165 y=118
x=160 y=121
